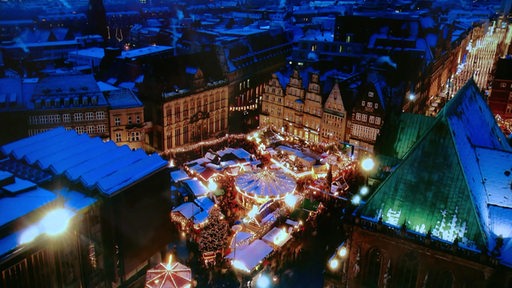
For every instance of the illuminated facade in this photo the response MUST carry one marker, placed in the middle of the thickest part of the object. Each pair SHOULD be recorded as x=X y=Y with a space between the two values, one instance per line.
x=126 y=116
x=195 y=117
x=300 y=109
x=368 y=115
x=334 y=117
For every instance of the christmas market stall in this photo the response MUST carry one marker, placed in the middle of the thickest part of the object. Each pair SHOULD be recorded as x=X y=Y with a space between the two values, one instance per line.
x=260 y=186
x=169 y=275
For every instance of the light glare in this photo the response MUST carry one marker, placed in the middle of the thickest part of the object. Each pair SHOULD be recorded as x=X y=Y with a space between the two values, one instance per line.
x=56 y=221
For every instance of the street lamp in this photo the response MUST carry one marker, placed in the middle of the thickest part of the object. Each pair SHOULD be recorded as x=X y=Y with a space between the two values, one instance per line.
x=367 y=165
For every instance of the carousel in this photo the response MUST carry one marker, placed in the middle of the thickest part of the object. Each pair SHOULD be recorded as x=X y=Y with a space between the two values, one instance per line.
x=169 y=275
x=260 y=186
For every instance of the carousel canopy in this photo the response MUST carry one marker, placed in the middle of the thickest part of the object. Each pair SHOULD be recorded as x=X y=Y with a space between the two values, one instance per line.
x=264 y=183
x=170 y=275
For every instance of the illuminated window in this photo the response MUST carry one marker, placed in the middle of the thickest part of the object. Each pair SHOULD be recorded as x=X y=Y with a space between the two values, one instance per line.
x=78 y=117
x=89 y=116
x=135 y=136
x=100 y=115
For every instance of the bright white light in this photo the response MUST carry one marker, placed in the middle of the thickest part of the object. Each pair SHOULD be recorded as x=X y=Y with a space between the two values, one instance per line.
x=334 y=264
x=253 y=212
x=342 y=252
x=356 y=200
x=364 y=191
x=367 y=164
x=239 y=265
x=290 y=200
x=212 y=186
x=263 y=281
x=29 y=234
x=281 y=237
x=412 y=97
x=56 y=221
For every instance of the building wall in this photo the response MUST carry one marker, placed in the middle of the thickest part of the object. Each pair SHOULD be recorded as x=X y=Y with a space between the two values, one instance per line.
x=196 y=117
x=313 y=109
x=334 y=117
x=127 y=127
x=294 y=106
x=392 y=260
x=272 y=104
x=78 y=113
x=500 y=100
x=367 y=118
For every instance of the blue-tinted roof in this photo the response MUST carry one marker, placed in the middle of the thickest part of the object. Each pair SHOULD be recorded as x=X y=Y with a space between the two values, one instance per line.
x=12 y=208
x=109 y=168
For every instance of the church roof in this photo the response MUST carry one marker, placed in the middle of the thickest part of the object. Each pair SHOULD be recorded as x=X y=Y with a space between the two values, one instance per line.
x=447 y=183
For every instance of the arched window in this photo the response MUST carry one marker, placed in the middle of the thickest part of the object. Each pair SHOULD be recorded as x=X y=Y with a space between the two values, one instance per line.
x=407 y=271
x=374 y=267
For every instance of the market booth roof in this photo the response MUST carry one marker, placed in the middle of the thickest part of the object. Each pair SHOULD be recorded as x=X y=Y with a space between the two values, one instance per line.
x=170 y=275
x=265 y=184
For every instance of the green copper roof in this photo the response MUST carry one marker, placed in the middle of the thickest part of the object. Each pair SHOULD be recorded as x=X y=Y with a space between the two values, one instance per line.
x=427 y=191
x=402 y=132
x=438 y=186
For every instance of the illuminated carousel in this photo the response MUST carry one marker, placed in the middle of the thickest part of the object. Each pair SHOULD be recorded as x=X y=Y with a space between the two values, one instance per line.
x=260 y=186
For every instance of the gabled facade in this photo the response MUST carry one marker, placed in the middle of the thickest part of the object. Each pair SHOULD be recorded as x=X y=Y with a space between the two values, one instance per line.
x=368 y=115
x=313 y=109
x=334 y=117
x=272 y=104
x=441 y=219
x=294 y=106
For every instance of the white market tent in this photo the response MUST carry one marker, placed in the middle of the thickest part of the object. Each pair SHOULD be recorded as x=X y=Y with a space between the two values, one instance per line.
x=277 y=237
x=248 y=257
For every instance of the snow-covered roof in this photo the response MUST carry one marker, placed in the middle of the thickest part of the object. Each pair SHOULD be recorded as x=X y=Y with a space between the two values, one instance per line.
x=179 y=175
x=108 y=168
x=250 y=256
x=460 y=173
x=277 y=237
x=12 y=208
x=187 y=209
x=205 y=203
x=195 y=186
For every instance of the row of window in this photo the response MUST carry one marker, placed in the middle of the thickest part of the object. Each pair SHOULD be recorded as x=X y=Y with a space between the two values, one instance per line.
x=98 y=129
x=130 y=137
x=129 y=120
x=368 y=118
x=66 y=118
x=189 y=108
x=195 y=132
x=364 y=132
x=370 y=104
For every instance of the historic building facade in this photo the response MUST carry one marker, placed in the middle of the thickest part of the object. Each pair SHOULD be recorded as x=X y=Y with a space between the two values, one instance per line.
x=195 y=116
x=334 y=117
x=368 y=115
x=309 y=107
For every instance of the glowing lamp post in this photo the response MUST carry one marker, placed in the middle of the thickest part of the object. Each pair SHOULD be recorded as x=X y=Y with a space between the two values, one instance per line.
x=367 y=165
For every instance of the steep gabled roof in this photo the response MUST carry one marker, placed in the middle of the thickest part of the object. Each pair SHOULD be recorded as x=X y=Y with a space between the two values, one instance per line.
x=441 y=185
